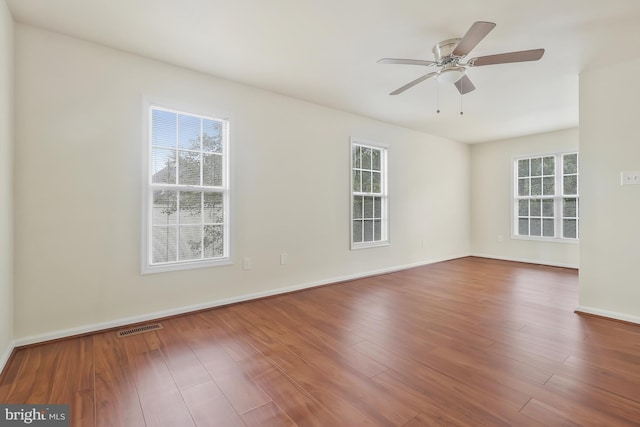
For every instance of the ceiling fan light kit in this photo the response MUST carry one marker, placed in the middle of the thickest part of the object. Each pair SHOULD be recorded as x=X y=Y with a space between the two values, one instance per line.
x=450 y=75
x=449 y=55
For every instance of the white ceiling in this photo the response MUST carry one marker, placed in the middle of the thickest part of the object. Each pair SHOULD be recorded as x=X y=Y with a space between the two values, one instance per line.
x=325 y=51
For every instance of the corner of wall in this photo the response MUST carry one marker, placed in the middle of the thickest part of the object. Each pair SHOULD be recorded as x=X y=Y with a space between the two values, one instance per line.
x=7 y=342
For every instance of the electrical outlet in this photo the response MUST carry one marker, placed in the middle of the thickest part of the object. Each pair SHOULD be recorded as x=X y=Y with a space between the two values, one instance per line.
x=500 y=238
x=630 y=178
x=283 y=259
x=246 y=263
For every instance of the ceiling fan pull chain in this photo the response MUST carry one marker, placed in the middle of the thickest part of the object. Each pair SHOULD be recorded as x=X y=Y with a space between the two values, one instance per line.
x=438 y=97
x=461 y=113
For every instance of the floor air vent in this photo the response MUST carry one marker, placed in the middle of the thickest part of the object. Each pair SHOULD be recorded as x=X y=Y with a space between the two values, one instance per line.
x=138 y=330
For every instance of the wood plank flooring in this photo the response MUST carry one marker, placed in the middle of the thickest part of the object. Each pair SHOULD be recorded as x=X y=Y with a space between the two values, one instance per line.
x=466 y=342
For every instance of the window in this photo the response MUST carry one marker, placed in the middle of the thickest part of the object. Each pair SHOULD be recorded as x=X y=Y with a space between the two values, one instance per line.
x=369 y=223
x=187 y=193
x=546 y=197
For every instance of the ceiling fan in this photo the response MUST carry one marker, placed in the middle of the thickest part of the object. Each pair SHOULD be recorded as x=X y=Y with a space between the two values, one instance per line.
x=449 y=55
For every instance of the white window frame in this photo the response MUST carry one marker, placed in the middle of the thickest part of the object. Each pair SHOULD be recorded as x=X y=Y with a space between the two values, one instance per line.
x=147 y=266
x=383 y=194
x=557 y=197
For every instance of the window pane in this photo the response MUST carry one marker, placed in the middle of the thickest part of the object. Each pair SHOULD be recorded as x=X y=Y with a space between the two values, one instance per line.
x=523 y=226
x=375 y=178
x=368 y=207
x=536 y=186
x=570 y=163
x=358 y=206
x=212 y=136
x=163 y=170
x=217 y=175
x=190 y=246
x=208 y=169
x=357 y=231
x=190 y=207
x=377 y=230
x=357 y=181
x=548 y=185
x=536 y=167
x=549 y=165
x=523 y=187
x=569 y=228
x=523 y=167
x=535 y=208
x=548 y=228
x=212 y=170
x=571 y=184
x=213 y=208
x=536 y=227
x=165 y=205
x=356 y=156
x=213 y=241
x=163 y=128
x=189 y=132
x=163 y=244
x=569 y=208
x=189 y=168
x=366 y=182
x=377 y=208
x=366 y=158
x=368 y=231
x=547 y=207
x=523 y=207
x=375 y=160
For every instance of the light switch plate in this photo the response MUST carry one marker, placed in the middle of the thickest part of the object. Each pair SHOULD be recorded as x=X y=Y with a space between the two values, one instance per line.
x=630 y=178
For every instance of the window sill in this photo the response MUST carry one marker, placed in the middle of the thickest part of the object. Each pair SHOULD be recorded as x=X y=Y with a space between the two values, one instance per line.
x=186 y=265
x=357 y=246
x=546 y=239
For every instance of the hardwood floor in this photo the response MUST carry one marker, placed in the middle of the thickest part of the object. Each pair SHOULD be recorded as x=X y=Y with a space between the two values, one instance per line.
x=464 y=342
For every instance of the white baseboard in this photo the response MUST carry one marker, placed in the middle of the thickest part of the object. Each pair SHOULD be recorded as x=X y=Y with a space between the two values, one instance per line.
x=4 y=358
x=609 y=314
x=527 y=261
x=34 y=339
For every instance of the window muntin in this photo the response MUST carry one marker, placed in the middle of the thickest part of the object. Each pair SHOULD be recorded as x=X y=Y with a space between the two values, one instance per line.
x=369 y=224
x=187 y=191
x=546 y=197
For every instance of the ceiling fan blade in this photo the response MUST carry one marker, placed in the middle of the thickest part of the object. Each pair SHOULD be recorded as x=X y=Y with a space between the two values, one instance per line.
x=464 y=85
x=505 y=58
x=474 y=35
x=413 y=83
x=405 y=61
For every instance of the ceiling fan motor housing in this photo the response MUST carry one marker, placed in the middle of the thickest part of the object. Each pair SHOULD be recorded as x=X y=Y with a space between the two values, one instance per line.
x=443 y=50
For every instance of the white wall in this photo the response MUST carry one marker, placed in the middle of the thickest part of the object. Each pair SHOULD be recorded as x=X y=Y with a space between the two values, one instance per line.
x=6 y=182
x=609 y=144
x=78 y=189
x=491 y=190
